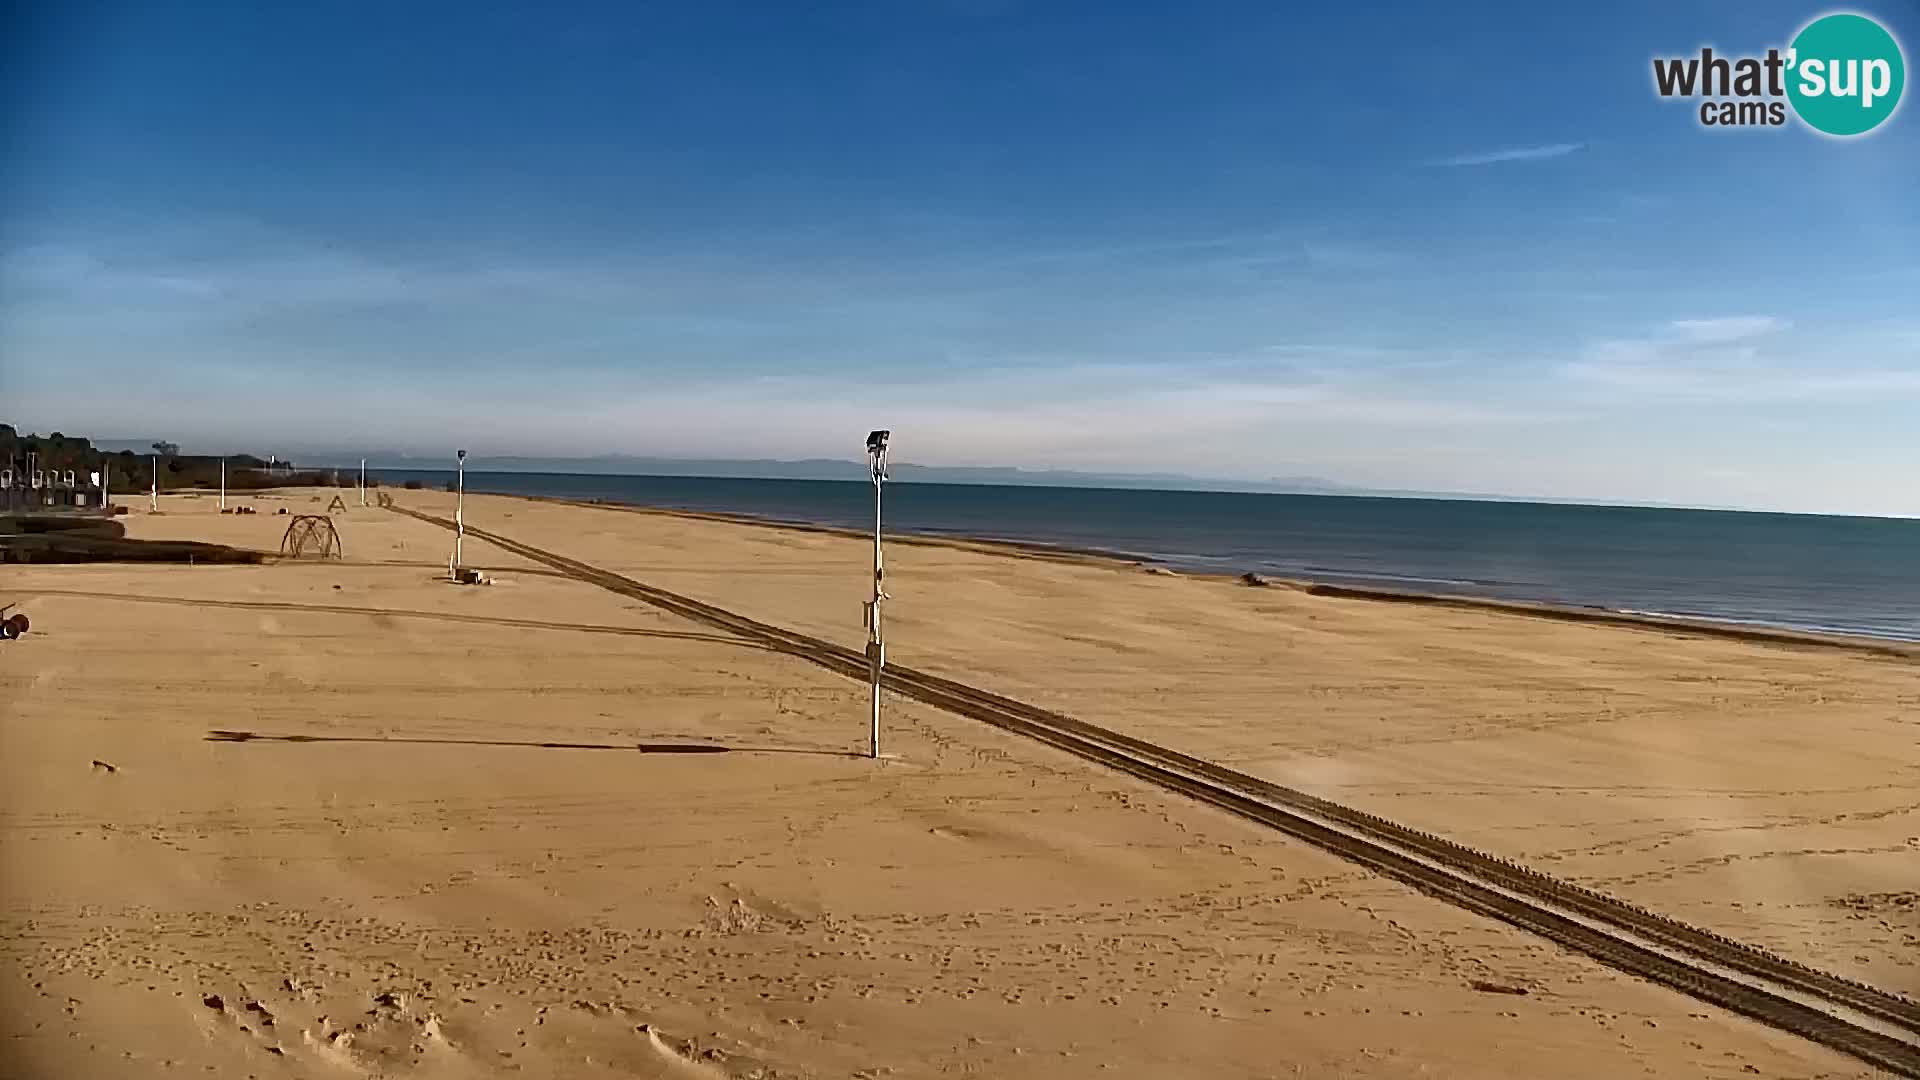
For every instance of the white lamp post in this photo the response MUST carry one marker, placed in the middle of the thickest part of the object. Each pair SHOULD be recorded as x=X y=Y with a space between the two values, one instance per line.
x=876 y=646
x=459 y=508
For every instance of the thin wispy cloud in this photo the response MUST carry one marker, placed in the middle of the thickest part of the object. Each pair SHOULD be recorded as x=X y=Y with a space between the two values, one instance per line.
x=1203 y=418
x=1758 y=385
x=1544 y=152
x=1746 y=358
x=1334 y=256
x=1734 y=328
x=67 y=269
x=1730 y=342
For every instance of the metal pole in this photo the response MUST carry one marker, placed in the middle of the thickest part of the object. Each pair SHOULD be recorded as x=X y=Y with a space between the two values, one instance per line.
x=876 y=644
x=223 y=485
x=153 y=493
x=459 y=509
x=877 y=651
x=363 y=481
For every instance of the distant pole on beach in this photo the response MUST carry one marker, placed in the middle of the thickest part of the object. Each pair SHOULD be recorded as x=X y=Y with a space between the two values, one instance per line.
x=876 y=645
x=223 y=484
x=459 y=508
x=153 y=493
x=363 y=481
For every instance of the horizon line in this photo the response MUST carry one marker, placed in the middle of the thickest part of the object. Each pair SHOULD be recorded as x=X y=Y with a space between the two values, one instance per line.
x=1337 y=490
x=1304 y=486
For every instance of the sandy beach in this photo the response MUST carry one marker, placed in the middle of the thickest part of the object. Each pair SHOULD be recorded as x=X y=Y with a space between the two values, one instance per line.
x=325 y=819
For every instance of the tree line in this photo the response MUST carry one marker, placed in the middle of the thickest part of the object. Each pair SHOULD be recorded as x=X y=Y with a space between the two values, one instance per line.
x=130 y=472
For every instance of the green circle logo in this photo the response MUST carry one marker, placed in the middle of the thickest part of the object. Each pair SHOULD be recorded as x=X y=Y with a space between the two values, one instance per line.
x=1845 y=74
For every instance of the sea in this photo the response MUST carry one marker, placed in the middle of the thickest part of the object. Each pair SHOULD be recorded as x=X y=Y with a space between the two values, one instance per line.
x=1849 y=575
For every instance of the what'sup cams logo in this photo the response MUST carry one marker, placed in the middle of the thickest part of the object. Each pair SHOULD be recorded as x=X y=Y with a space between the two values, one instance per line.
x=1842 y=76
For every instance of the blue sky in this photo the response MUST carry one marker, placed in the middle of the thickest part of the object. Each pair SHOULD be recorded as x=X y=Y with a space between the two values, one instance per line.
x=1456 y=247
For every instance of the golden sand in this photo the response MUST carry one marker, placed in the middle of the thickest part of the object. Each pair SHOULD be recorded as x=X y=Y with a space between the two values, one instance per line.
x=348 y=819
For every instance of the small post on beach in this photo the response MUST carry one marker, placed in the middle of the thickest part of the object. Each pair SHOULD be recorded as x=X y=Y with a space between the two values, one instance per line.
x=363 y=481
x=459 y=509
x=876 y=647
x=223 y=483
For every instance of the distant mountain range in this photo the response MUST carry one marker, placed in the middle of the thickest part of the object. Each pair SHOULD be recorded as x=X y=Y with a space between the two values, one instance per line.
x=830 y=469
x=814 y=469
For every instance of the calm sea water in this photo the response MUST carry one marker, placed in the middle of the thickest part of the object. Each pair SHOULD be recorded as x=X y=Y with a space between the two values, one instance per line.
x=1851 y=575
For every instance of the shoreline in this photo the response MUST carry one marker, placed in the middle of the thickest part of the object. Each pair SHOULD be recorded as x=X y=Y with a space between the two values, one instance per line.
x=1757 y=632
x=1762 y=633
x=1725 y=628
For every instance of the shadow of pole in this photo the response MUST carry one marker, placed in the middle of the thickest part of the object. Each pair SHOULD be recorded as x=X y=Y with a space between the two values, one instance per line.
x=222 y=735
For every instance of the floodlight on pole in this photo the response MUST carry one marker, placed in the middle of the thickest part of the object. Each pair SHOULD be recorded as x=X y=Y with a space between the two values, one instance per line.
x=459 y=510
x=876 y=645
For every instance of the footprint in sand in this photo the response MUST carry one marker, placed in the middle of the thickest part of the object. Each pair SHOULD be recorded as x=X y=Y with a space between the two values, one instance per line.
x=252 y=1019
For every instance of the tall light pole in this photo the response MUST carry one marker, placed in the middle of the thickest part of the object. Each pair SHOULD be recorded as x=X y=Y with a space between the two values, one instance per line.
x=876 y=646
x=459 y=508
